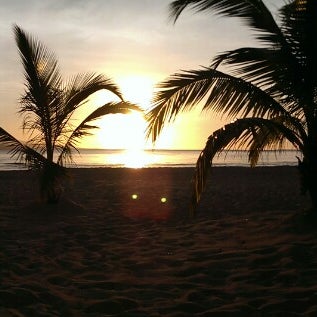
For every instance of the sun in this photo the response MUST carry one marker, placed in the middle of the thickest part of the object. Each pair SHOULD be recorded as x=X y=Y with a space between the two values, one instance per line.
x=137 y=89
x=118 y=131
x=127 y=131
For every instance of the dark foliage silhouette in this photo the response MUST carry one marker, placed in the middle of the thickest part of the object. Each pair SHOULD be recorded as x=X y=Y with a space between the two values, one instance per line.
x=48 y=106
x=269 y=92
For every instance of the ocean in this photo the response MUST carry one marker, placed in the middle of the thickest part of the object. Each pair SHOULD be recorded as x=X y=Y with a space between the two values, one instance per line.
x=88 y=158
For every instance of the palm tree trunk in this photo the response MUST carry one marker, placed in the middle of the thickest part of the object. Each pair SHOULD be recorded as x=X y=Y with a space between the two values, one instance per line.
x=50 y=189
x=49 y=151
x=50 y=182
x=312 y=186
x=308 y=171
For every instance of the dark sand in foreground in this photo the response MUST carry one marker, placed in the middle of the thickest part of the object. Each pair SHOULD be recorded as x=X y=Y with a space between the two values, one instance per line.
x=248 y=252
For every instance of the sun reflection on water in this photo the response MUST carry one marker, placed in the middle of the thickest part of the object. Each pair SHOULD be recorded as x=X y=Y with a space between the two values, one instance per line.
x=134 y=158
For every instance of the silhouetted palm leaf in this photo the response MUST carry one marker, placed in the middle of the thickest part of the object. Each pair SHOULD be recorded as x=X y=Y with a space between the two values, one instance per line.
x=216 y=90
x=251 y=134
x=253 y=12
x=83 y=129
x=272 y=88
x=76 y=91
x=48 y=105
x=20 y=151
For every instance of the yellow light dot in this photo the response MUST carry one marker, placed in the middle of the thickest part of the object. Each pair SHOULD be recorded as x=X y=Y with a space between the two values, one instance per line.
x=134 y=196
x=163 y=200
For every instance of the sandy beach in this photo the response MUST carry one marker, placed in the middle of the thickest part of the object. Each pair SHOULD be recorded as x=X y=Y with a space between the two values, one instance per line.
x=122 y=243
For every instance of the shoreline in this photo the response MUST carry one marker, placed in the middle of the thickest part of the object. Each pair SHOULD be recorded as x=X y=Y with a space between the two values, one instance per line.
x=101 y=253
x=99 y=158
x=216 y=165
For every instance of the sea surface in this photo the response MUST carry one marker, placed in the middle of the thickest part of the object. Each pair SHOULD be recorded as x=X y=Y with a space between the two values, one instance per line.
x=88 y=158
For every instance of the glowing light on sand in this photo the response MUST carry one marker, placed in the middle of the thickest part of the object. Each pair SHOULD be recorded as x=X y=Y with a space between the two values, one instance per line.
x=134 y=196
x=163 y=200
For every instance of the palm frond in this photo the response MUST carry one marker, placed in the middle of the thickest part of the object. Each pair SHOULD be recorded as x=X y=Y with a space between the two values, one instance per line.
x=122 y=107
x=253 y=12
x=82 y=86
x=299 y=24
x=282 y=131
x=83 y=129
x=222 y=92
x=271 y=70
x=43 y=80
x=252 y=134
x=76 y=91
x=22 y=152
x=15 y=146
x=40 y=69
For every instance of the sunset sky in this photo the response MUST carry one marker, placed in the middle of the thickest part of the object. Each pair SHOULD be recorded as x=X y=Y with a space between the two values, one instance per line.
x=133 y=42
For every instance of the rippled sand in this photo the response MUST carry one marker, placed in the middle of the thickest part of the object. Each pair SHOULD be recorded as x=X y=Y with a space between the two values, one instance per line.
x=249 y=251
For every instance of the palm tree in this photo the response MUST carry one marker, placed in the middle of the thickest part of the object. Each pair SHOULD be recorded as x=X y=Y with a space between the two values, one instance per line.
x=48 y=106
x=269 y=92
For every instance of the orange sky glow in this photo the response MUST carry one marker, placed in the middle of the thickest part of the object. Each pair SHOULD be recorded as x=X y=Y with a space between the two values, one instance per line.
x=132 y=42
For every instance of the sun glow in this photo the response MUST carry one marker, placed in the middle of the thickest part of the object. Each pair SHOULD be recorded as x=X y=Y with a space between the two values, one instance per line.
x=136 y=158
x=124 y=131
x=137 y=89
x=127 y=132
x=133 y=158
